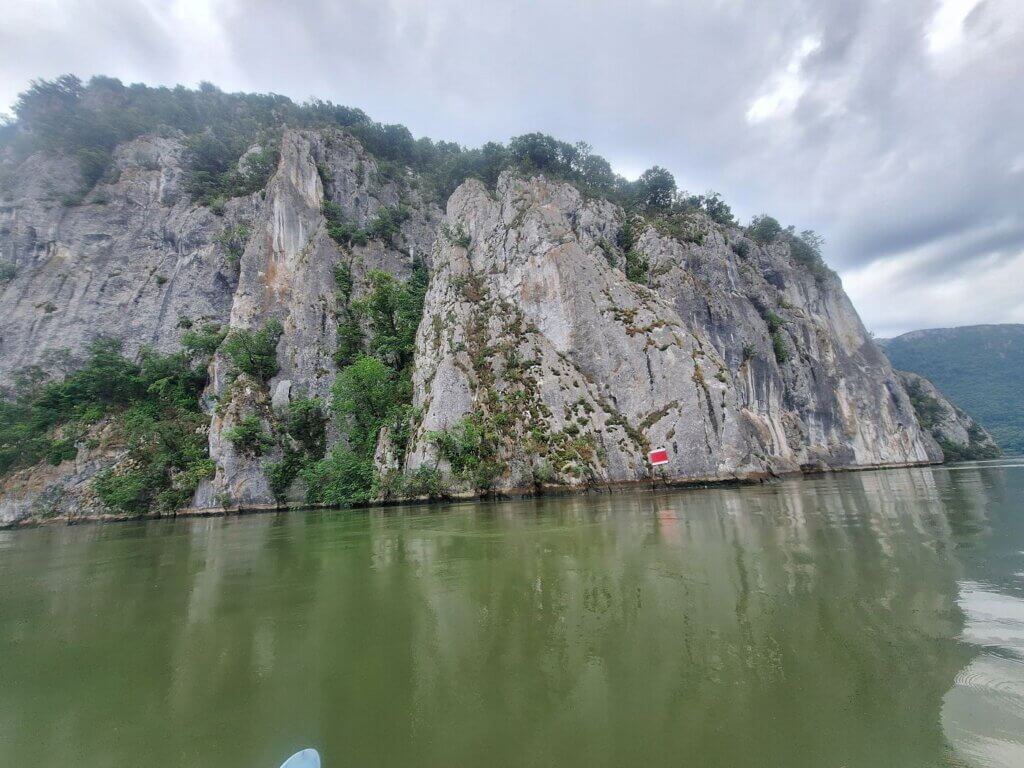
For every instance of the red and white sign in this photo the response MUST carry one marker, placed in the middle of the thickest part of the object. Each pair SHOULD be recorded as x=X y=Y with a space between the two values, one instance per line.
x=657 y=457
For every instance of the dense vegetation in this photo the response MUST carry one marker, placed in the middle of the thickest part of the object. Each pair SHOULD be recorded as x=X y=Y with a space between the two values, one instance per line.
x=979 y=367
x=373 y=388
x=232 y=138
x=152 y=408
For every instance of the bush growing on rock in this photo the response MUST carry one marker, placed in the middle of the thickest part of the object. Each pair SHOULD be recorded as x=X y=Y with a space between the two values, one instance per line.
x=764 y=229
x=248 y=436
x=471 y=449
x=255 y=352
x=153 y=405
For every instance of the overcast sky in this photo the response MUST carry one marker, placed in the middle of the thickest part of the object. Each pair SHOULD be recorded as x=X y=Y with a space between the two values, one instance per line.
x=893 y=127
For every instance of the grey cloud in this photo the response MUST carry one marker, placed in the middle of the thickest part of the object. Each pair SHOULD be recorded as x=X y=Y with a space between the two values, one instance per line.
x=891 y=150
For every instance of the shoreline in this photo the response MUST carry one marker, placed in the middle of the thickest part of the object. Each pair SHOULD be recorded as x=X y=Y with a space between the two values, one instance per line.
x=507 y=494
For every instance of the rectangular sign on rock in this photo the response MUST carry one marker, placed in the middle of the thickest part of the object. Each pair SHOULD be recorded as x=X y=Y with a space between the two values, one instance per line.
x=658 y=457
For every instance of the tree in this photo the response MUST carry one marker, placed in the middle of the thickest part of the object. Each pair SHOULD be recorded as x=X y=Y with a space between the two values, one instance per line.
x=364 y=393
x=717 y=208
x=255 y=352
x=764 y=229
x=655 y=189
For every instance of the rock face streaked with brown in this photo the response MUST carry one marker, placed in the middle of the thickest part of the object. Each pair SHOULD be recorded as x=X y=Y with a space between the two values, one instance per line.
x=530 y=321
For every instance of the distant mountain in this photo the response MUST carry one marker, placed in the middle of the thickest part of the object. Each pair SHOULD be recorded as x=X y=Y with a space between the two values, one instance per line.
x=979 y=367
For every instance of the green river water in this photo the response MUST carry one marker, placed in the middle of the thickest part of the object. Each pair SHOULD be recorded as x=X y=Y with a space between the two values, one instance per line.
x=867 y=619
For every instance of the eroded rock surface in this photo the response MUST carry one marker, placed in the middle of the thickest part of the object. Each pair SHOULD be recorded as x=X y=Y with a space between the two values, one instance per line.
x=958 y=435
x=528 y=324
x=737 y=360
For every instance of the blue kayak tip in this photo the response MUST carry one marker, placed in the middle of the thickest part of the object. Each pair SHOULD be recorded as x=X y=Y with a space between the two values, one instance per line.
x=307 y=758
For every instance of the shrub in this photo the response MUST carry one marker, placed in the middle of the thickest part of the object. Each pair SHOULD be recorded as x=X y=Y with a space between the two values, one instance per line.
x=384 y=226
x=220 y=166
x=153 y=403
x=125 y=492
x=805 y=249
x=780 y=348
x=61 y=450
x=341 y=231
x=280 y=474
x=457 y=236
x=364 y=394
x=544 y=473
x=248 y=437
x=234 y=240
x=255 y=352
x=305 y=431
x=636 y=266
x=205 y=341
x=8 y=271
x=393 y=311
x=423 y=481
x=343 y=477
x=764 y=229
x=471 y=448
x=306 y=424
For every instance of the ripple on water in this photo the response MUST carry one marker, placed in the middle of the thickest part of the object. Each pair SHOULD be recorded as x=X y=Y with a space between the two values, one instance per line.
x=983 y=713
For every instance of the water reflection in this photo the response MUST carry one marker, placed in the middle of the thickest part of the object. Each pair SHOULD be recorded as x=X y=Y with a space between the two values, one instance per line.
x=806 y=623
x=983 y=713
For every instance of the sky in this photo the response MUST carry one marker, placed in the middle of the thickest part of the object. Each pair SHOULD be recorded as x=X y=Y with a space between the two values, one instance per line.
x=895 y=128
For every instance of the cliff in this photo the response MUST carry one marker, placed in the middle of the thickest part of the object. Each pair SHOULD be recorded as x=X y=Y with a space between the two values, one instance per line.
x=537 y=362
x=960 y=437
x=978 y=367
x=740 y=365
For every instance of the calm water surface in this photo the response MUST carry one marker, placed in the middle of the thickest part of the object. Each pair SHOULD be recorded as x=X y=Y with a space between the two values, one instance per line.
x=870 y=619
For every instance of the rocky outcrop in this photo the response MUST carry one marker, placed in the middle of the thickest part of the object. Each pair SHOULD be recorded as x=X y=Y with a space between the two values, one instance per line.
x=739 y=365
x=536 y=353
x=287 y=272
x=63 y=491
x=129 y=260
x=958 y=435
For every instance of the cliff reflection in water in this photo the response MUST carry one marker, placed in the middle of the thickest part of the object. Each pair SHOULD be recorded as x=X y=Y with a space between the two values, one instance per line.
x=983 y=713
x=805 y=623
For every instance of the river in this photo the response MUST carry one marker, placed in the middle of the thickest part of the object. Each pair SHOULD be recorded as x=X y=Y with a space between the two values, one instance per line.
x=861 y=619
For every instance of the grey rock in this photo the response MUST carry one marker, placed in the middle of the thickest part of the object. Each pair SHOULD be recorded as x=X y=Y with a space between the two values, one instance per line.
x=626 y=367
x=127 y=262
x=535 y=328
x=287 y=273
x=953 y=430
x=63 y=492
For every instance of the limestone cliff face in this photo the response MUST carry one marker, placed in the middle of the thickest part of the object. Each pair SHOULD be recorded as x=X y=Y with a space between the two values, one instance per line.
x=63 y=492
x=287 y=273
x=737 y=360
x=128 y=260
x=581 y=370
x=958 y=435
x=137 y=261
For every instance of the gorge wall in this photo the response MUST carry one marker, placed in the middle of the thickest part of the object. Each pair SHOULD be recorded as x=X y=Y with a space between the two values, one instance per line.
x=538 y=362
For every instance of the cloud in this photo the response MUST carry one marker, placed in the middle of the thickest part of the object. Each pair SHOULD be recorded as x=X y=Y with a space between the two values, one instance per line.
x=890 y=127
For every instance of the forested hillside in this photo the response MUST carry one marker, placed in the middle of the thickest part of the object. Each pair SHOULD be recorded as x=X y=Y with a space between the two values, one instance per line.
x=979 y=367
